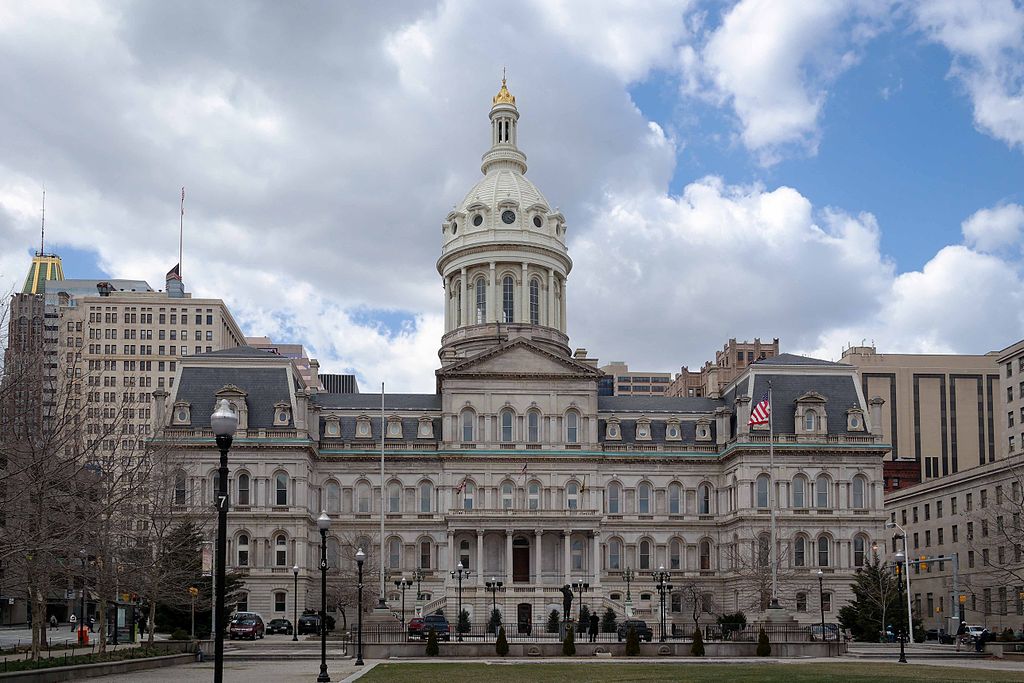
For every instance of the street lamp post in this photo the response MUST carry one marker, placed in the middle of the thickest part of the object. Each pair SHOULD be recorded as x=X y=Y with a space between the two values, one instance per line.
x=402 y=585
x=223 y=422
x=323 y=522
x=493 y=586
x=417 y=576
x=295 y=605
x=360 y=558
x=661 y=578
x=81 y=616
x=580 y=587
x=459 y=573
x=821 y=602
x=899 y=570
x=627 y=576
x=903 y=534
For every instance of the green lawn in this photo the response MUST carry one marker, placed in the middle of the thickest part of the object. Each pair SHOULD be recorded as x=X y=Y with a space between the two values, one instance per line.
x=716 y=673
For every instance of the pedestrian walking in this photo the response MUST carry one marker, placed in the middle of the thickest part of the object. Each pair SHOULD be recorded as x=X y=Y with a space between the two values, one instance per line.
x=73 y=620
x=960 y=631
x=92 y=624
x=594 y=621
x=53 y=621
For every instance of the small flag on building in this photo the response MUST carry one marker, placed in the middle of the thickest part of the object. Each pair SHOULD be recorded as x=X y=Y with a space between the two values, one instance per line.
x=461 y=487
x=761 y=413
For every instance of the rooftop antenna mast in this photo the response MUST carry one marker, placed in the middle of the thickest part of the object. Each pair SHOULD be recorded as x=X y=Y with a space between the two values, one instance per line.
x=42 y=227
x=181 y=229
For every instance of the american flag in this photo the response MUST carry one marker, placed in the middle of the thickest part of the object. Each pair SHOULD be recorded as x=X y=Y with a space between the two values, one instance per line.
x=460 y=487
x=761 y=412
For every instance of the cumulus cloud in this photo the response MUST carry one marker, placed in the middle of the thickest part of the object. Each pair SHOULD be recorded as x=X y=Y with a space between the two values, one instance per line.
x=994 y=229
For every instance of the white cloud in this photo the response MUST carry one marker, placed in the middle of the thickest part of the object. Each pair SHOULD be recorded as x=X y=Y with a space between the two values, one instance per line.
x=996 y=228
x=986 y=39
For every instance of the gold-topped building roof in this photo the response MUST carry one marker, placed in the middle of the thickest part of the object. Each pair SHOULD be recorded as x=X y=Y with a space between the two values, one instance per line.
x=45 y=268
x=504 y=96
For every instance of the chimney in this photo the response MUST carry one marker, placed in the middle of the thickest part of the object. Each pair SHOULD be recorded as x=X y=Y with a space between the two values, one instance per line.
x=876 y=404
x=104 y=288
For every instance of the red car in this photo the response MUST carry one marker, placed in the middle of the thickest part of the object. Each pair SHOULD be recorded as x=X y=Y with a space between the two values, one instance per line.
x=416 y=627
x=247 y=627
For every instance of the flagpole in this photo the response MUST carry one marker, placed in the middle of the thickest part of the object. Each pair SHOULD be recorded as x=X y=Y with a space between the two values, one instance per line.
x=181 y=229
x=771 y=498
x=382 y=604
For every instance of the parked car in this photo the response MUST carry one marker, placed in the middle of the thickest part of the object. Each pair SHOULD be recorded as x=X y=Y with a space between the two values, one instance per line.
x=831 y=632
x=279 y=626
x=415 y=627
x=643 y=631
x=309 y=623
x=439 y=623
x=247 y=627
x=238 y=616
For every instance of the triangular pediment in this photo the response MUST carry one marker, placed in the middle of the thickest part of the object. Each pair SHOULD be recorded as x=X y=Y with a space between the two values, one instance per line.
x=521 y=358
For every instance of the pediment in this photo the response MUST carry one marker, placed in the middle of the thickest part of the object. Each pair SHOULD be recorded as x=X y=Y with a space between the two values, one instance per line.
x=521 y=358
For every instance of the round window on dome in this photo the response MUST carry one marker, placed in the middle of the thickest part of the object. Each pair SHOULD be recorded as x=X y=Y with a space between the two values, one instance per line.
x=477 y=220
x=537 y=222
x=508 y=217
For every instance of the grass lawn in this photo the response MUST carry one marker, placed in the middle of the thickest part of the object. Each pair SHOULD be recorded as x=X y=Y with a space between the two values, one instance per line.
x=716 y=673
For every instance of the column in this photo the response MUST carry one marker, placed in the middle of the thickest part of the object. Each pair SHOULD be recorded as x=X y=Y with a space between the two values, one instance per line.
x=492 y=296
x=452 y=550
x=561 y=314
x=446 y=286
x=566 y=559
x=538 y=536
x=549 y=312
x=524 y=291
x=479 y=557
x=596 y=541
x=465 y=298
x=508 y=558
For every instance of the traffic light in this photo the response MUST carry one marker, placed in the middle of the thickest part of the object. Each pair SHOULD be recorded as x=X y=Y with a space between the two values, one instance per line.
x=924 y=565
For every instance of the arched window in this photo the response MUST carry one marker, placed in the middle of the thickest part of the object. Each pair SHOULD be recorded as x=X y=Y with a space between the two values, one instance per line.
x=458 y=303
x=533 y=496
x=858 y=551
x=763 y=550
x=179 y=488
x=394 y=553
x=333 y=553
x=425 y=554
x=243 y=550
x=533 y=426
x=281 y=489
x=645 y=554
x=614 y=498
x=507 y=491
x=576 y=552
x=394 y=497
x=799 y=552
x=821 y=491
x=481 y=301
x=615 y=554
x=644 y=499
x=363 y=499
x=243 y=488
x=506 y=425
x=333 y=497
x=799 y=492
x=534 y=302
x=572 y=427
x=572 y=495
x=508 y=298
x=674 y=499
x=281 y=550
x=762 y=490
x=426 y=496
x=704 y=549
x=468 y=496
x=858 y=492
x=810 y=421
x=675 y=554
x=468 y=425
x=823 y=551
x=704 y=499
x=464 y=554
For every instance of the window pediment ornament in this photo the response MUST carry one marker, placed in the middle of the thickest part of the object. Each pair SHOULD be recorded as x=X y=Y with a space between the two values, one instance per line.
x=182 y=414
x=282 y=414
x=394 y=427
x=811 y=397
x=613 y=429
x=673 y=431
x=703 y=429
x=855 y=420
x=643 y=429
x=332 y=426
x=364 y=430
x=425 y=428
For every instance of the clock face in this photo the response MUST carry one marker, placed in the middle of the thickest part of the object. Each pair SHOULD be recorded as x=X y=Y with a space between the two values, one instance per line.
x=477 y=220
x=508 y=217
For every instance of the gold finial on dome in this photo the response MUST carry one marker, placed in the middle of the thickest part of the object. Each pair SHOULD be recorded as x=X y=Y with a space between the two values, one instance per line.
x=504 y=96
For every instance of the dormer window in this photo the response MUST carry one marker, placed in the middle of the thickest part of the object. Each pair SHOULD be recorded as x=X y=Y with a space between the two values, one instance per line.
x=425 y=428
x=282 y=414
x=363 y=428
x=332 y=427
x=854 y=420
x=613 y=431
x=811 y=417
x=643 y=429
x=182 y=413
x=673 y=432
x=703 y=430
x=394 y=427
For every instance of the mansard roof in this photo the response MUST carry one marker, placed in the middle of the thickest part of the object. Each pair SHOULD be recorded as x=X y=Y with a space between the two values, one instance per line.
x=370 y=403
x=839 y=391
x=657 y=404
x=264 y=386
x=794 y=359
x=238 y=352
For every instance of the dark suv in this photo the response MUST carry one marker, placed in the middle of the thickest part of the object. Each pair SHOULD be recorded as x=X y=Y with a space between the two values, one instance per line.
x=643 y=631
x=246 y=627
x=439 y=623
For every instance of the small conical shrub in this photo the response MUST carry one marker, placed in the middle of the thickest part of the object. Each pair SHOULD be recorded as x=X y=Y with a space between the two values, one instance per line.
x=632 y=642
x=697 y=649
x=608 y=622
x=764 y=648
x=432 y=649
x=463 y=625
x=501 y=645
x=554 y=619
x=569 y=644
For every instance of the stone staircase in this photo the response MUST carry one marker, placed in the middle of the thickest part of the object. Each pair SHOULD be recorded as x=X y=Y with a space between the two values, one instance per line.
x=891 y=651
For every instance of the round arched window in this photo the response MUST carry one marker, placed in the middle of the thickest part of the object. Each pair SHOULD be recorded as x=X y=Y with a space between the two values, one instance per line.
x=477 y=220
x=537 y=222
x=455 y=227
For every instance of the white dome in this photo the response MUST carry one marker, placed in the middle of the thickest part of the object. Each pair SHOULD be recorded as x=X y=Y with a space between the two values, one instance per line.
x=503 y=186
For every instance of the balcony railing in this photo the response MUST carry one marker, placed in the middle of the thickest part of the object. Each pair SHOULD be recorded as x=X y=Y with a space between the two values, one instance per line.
x=810 y=438
x=520 y=512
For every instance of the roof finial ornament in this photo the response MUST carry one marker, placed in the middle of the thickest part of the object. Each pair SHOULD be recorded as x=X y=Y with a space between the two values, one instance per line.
x=503 y=96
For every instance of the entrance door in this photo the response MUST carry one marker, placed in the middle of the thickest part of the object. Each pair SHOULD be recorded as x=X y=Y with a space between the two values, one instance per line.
x=520 y=560
x=524 y=618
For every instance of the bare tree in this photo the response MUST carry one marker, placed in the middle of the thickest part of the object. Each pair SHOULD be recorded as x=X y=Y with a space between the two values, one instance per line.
x=696 y=600
x=747 y=561
x=343 y=575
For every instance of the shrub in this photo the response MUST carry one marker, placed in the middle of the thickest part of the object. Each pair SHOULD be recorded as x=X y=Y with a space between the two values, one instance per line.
x=495 y=621
x=732 y=622
x=697 y=649
x=584 y=622
x=501 y=645
x=179 y=634
x=764 y=648
x=553 y=620
x=569 y=644
x=608 y=623
x=632 y=642
x=432 y=649
x=463 y=625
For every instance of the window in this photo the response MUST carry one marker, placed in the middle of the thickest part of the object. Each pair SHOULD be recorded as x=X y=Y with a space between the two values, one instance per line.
x=243 y=602
x=826 y=602
x=464 y=554
x=858 y=492
x=508 y=299
x=534 y=302
x=614 y=554
x=704 y=549
x=468 y=423
x=333 y=553
x=938 y=509
x=984 y=498
x=801 y=602
x=468 y=496
x=614 y=498
x=506 y=425
x=333 y=497
x=762 y=491
x=394 y=553
x=506 y=496
x=533 y=426
x=644 y=499
x=763 y=549
x=645 y=554
x=704 y=499
x=970 y=502
x=799 y=492
x=481 y=301
x=533 y=496
x=394 y=497
x=675 y=554
x=281 y=489
x=243 y=489
x=821 y=492
x=243 y=550
x=572 y=427
x=799 y=552
x=279 y=602
x=952 y=505
x=425 y=555
x=810 y=420
x=363 y=498
x=576 y=554
x=572 y=493
x=858 y=551
x=674 y=496
x=823 y=551
x=179 y=488
x=281 y=550
x=426 y=496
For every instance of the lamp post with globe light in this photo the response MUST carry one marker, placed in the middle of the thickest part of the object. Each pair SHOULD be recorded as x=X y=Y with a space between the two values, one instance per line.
x=223 y=422
x=360 y=558
x=900 y=568
x=821 y=602
x=295 y=604
x=323 y=523
x=459 y=573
